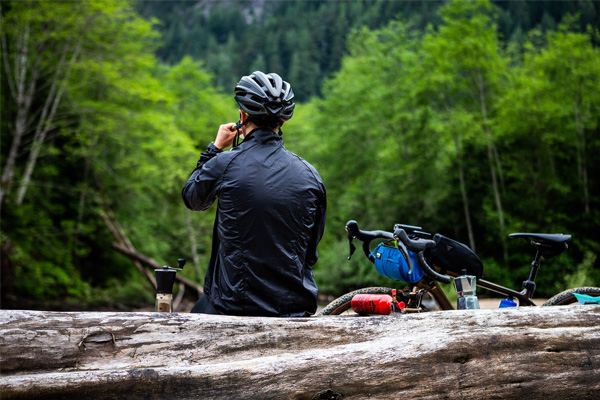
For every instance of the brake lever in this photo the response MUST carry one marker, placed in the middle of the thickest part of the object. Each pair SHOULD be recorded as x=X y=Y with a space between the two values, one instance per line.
x=404 y=252
x=351 y=244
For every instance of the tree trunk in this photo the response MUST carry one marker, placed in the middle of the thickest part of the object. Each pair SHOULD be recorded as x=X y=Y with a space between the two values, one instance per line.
x=22 y=83
x=45 y=124
x=463 y=192
x=493 y=159
x=581 y=148
x=522 y=353
x=114 y=227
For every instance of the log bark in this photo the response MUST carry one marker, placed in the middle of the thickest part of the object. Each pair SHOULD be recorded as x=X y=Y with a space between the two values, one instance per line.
x=523 y=353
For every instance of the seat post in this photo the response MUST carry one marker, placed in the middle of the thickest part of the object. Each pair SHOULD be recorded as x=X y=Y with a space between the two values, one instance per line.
x=529 y=284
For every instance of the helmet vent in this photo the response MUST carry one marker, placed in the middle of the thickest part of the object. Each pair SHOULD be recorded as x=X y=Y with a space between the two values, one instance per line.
x=265 y=95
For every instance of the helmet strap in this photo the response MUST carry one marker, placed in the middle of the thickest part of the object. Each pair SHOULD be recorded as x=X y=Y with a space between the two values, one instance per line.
x=236 y=140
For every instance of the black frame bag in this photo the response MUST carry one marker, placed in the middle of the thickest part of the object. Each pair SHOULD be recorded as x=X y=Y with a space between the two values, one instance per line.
x=450 y=255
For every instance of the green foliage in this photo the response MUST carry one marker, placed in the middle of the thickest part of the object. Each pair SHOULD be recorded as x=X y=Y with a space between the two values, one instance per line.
x=130 y=126
x=305 y=41
x=301 y=40
x=410 y=113
x=123 y=294
x=583 y=274
x=342 y=275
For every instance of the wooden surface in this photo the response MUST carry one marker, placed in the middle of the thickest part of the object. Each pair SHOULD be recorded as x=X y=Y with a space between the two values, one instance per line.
x=523 y=353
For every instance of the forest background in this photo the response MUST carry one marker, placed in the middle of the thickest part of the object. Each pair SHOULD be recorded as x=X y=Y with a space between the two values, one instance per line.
x=473 y=119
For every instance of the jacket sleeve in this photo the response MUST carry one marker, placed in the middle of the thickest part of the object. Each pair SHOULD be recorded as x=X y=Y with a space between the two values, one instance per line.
x=201 y=189
x=318 y=228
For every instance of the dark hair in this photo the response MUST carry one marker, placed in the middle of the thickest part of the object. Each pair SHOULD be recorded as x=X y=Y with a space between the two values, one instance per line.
x=267 y=123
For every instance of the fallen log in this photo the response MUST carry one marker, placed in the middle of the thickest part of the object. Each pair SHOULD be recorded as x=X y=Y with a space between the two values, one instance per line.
x=523 y=353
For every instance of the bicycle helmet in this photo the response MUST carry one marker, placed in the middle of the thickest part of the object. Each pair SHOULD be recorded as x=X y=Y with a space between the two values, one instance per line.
x=265 y=97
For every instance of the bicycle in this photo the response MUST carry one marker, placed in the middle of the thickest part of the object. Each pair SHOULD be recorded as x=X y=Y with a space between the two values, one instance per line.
x=414 y=244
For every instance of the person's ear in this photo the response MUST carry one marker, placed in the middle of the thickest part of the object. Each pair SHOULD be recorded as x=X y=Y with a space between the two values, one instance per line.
x=243 y=116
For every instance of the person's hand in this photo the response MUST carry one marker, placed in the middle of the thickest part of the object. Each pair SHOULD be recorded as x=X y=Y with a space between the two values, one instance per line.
x=225 y=136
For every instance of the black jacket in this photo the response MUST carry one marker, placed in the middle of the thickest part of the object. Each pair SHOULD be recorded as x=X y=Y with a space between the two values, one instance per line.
x=270 y=219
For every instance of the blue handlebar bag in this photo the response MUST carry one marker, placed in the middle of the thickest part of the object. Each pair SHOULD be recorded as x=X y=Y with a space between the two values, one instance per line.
x=390 y=263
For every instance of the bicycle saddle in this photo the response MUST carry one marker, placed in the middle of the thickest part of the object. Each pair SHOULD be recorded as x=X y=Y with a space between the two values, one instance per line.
x=548 y=244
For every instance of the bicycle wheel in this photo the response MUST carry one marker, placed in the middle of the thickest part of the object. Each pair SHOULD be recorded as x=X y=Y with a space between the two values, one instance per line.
x=567 y=297
x=343 y=303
